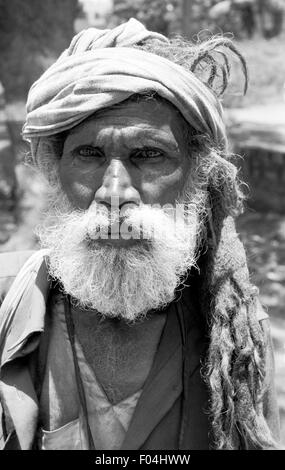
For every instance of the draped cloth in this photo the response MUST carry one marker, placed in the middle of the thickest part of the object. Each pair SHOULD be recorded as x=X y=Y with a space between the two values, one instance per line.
x=102 y=68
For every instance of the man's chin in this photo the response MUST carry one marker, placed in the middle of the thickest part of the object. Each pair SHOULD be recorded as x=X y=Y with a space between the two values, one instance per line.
x=123 y=317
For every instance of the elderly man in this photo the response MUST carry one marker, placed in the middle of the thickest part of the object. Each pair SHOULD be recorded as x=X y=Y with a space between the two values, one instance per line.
x=135 y=326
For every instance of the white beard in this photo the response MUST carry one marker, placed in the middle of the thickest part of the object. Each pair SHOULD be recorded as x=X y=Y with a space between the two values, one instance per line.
x=123 y=282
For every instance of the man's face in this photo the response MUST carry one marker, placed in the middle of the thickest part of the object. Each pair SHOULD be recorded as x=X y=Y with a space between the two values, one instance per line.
x=136 y=152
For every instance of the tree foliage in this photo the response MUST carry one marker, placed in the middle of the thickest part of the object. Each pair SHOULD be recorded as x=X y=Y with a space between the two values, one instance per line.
x=244 y=18
x=32 y=34
x=157 y=15
x=247 y=17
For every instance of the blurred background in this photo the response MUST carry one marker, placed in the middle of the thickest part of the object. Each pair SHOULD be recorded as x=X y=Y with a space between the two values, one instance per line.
x=34 y=32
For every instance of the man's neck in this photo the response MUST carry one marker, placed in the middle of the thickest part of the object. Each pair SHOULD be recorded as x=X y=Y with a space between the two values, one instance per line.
x=120 y=354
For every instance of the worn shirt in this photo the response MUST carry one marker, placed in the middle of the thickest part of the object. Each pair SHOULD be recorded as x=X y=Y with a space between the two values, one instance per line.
x=170 y=412
x=108 y=423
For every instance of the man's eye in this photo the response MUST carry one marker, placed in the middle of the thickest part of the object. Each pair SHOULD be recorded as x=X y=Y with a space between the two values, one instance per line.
x=87 y=151
x=148 y=154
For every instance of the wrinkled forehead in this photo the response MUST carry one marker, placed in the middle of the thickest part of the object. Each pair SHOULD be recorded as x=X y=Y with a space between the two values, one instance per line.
x=145 y=114
x=147 y=104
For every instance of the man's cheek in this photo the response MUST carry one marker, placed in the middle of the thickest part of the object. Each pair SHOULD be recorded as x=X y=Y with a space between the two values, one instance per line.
x=163 y=190
x=78 y=194
x=78 y=188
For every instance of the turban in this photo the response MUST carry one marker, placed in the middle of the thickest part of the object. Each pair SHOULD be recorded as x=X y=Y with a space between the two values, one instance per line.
x=101 y=68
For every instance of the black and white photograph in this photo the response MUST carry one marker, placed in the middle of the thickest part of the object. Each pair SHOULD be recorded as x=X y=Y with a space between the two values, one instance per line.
x=142 y=228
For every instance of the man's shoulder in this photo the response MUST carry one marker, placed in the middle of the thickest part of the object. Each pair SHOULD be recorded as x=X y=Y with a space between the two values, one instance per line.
x=10 y=265
x=11 y=262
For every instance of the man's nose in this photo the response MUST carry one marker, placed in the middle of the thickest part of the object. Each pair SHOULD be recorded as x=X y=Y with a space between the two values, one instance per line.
x=117 y=187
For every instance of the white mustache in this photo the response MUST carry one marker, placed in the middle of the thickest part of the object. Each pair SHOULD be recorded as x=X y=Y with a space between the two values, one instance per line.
x=138 y=222
x=108 y=225
x=123 y=282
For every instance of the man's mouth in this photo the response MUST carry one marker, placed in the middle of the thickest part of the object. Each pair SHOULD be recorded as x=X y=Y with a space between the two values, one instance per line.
x=115 y=230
